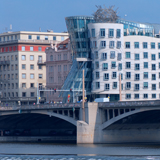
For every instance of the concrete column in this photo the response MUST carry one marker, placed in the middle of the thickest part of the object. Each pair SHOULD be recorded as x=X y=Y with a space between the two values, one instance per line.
x=68 y=113
x=74 y=115
x=113 y=113
x=91 y=131
x=108 y=116
x=118 y=112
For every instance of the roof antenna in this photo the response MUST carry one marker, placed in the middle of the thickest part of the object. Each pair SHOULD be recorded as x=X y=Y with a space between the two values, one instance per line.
x=39 y=29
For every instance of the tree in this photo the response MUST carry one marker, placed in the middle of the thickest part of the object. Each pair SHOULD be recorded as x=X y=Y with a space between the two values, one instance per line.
x=105 y=14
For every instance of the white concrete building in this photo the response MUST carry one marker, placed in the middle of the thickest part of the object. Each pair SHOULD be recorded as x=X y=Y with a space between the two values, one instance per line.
x=130 y=51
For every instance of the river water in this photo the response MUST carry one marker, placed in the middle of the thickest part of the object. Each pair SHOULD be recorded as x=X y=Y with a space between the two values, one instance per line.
x=49 y=151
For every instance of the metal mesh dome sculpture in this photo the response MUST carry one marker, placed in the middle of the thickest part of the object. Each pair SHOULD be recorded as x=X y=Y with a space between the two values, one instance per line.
x=105 y=14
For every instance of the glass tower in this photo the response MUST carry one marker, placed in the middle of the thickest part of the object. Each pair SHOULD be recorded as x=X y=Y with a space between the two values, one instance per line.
x=80 y=45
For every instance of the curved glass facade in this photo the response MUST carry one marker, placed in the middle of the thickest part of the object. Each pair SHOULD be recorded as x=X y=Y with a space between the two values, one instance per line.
x=135 y=28
x=78 y=30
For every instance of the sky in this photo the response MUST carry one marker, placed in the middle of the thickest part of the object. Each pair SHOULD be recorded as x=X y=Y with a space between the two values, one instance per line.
x=30 y=15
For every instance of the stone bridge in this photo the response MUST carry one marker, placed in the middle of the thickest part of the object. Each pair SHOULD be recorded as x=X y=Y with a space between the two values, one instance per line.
x=109 y=122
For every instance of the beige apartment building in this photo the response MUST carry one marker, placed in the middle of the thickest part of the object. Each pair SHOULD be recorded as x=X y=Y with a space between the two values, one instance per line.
x=22 y=64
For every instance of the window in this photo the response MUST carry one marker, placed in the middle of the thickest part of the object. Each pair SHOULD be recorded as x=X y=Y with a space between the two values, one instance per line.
x=127 y=44
x=39 y=48
x=153 y=56
x=145 y=85
x=128 y=65
x=23 y=57
x=23 y=76
x=145 y=45
x=136 y=87
x=136 y=44
x=128 y=55
x=111 y=33
x=62 y=38
x=136 y=96
x=23 y=85
x=118 y=44
x=96 y=65
x=153 y=95
x=153 y=86
x=114 y=75
x=145 y=64
x=137 y=77
x=40 y=76
x=113 y=64
x=152 y=45
x=112 y=54
x=103 y=43
x=104 y=56
x=153 y=66
x=119 y=56
x=114 y=85
x=32 y=66
x=128 y=75
x=31 y=58
x=111 y=44
x=16 y=57
x=105 y=66
x=120 y=66
x=31 y=85
x=106 y=76
x=97 y=85
x=97 y=75
x=31 y=48
x=158 y=45
x=32 y=94
x=153 y=76
x=51 y=58
x=128 y=96
x=23 y=66
x=136 y=56
x=46 y=37
x=145 y=75
x=94 y=44
x=54 y=38
x=145 y=54
x=23 y=48
x=38 y=37
x=137 y=66
x=145 y=95
x=107 y=86
x=93 y=32
x=31 y=76
x=118 y=33
x=59 y=68
x=159 y=65
x=96 y=54
x=23 y=94
x=102 y=32
x=29 y=36
x=128 y=85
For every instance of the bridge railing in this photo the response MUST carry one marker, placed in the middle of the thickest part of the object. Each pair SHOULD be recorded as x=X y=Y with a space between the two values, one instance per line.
x=130 y=104
x=40 y=106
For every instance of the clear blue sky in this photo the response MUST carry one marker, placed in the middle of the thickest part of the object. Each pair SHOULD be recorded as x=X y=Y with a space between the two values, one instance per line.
x=29 y=15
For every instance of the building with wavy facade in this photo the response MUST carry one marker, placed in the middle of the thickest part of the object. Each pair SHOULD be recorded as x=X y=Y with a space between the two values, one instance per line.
x=128 y=48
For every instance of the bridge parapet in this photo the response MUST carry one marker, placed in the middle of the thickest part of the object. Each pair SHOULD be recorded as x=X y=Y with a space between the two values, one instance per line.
x=41 y=106
x=129 y=104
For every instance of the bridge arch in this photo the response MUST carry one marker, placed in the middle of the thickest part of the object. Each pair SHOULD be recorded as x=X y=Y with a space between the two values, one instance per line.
x=49 y=113
x=121 y=116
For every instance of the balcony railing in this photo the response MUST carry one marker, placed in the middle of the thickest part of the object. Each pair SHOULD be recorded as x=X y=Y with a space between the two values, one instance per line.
x=42 y=62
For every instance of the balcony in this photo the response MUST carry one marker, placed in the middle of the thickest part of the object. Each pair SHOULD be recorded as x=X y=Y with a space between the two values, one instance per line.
x=41 y=62
x=5 y=62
